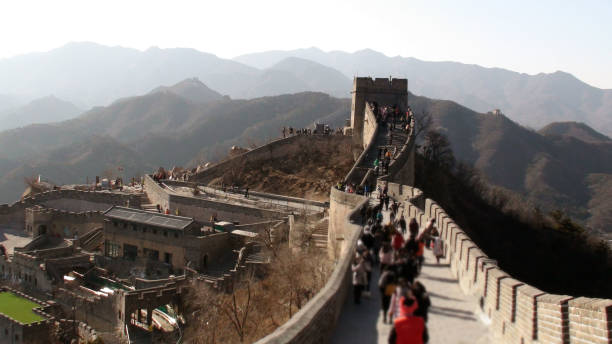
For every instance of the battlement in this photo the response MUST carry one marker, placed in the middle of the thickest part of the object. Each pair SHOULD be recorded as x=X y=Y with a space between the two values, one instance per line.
x=38 y=210
x=377 y=85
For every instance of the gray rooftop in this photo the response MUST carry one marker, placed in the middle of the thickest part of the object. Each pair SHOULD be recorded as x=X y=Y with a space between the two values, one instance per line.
x=148 y=218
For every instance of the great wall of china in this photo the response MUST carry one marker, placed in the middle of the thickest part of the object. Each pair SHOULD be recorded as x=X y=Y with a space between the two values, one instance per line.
x=518 y=312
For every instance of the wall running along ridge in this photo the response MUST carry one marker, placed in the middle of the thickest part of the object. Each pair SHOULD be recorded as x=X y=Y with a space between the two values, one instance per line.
x=520 y=313
x=281 y=148
x=316 y=321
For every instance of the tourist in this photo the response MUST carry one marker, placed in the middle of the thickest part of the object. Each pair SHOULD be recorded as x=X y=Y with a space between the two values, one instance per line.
x=386 y=200
x=284 y=132
x=397 y=241
x=402 y=289
x=429 y=231
x=408 y=328
x=438 y=249
x=402 y=224
x=246 y=192
x=368 y=265
x=386 y=285
x=422 y=297
x=413 y=227
x=385 y=255
x=359 y=277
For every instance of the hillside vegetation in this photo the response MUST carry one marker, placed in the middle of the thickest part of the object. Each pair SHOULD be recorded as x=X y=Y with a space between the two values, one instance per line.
x=554 y=171
x=308 y=169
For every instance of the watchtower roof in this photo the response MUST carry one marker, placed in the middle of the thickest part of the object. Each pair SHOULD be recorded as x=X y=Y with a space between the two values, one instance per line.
x=149 y=218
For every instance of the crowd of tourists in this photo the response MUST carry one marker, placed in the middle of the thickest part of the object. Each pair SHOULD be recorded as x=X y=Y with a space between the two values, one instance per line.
x=397 y=249
x=326 y=130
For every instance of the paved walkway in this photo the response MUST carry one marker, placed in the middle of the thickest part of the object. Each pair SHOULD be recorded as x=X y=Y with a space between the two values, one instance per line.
x=453 y=316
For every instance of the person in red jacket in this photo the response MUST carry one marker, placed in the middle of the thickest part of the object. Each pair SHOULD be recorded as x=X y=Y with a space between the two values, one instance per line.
x=408 y=328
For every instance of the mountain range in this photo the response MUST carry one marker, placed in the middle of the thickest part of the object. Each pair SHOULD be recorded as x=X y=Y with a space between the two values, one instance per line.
x=532 y=100
x=43 y=110
x=164 y=127
x=88 y=74
x=565 y=165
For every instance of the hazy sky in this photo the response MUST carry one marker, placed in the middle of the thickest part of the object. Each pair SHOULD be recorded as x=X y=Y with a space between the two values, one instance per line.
x=524 y=36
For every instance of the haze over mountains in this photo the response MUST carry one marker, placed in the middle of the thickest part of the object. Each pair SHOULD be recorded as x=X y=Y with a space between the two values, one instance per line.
x=161 y=128
x=166 y=107
x=565 y=165
x=532 y=100
x=88 y=74
x=43 y=110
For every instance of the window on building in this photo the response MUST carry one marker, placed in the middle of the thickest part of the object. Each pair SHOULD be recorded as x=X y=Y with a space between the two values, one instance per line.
x=144 y=229
x=115 y=224
x=112 y=249
x=154 y=231
x=151 y=254
x=168 y=258
x=134 y=227
x=165 y=233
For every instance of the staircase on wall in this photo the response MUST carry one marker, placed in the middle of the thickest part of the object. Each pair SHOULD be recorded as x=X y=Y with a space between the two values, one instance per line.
x=146 y=204
x=319 y=234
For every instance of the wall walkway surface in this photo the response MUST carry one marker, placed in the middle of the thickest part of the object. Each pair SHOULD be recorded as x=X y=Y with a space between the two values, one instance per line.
x=520 y=313
x=316 y=321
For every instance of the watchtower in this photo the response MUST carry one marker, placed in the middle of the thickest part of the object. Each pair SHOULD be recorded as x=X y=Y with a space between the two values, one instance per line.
x=384 y=91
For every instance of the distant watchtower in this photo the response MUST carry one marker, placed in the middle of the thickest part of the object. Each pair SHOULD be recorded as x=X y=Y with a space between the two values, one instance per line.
x=384 y=91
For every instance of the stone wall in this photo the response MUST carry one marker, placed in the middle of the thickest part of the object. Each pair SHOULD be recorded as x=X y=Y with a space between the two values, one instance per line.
x=280 y=148
x=61 y=223
x=315 y=322
x=202 y=209
x=370 y=126
x=69 y=200
x=519 y=313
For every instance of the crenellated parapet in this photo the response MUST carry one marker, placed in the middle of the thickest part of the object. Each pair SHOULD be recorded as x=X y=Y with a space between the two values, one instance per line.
x=519 y=312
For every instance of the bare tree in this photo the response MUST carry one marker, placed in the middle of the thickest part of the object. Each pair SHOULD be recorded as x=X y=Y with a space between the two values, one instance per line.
x=422 y=123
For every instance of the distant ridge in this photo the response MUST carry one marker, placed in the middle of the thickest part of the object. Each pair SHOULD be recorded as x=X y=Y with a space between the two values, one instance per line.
x=577 y=130
x=43 y=110
x=192 y=89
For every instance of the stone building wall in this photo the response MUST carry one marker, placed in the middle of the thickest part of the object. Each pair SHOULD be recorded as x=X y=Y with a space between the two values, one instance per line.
x=184 y=247
x=61 y=223
x=13 y=215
